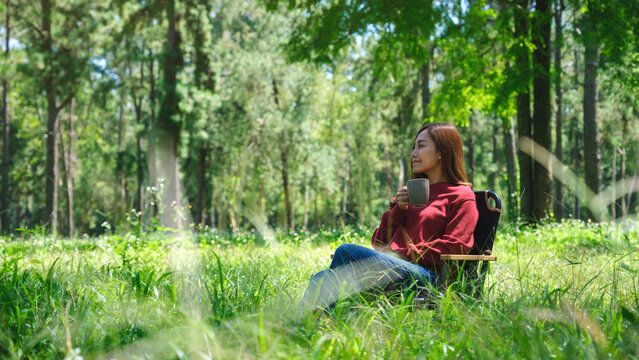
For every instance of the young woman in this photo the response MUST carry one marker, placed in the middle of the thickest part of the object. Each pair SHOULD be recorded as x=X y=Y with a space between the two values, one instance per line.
x=409 y=240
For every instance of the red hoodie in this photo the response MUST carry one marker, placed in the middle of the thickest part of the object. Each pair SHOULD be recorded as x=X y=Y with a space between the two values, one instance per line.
x=420 y=234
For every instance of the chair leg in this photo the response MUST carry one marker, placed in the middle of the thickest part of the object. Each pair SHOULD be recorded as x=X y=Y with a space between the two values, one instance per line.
x=483 y=271
x=470 y=275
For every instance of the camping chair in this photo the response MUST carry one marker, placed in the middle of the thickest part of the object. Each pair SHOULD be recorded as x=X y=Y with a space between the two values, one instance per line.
x=465 y=270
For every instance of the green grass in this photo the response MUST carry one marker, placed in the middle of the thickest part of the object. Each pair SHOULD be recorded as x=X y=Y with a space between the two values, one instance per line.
x=567 y=291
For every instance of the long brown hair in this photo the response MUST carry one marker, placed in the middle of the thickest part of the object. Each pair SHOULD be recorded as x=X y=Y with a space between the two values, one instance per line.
x=449 y=143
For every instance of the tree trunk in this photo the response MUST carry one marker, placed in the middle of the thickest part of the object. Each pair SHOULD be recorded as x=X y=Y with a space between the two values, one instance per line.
x=284 y=159
x=576 y=160
x=622 y=152
x=151 y=138
x=401 y=179
x=542 y=114
x=622 y=178
x=204 y=79
x=169 y=171
x=558 y=207
x=63 y=171
x=361 y=183
x=212 y=216
x=574 y=137
x=140 y=176
x=592 y=155
x=635 y=184
x=168 y=126
x=285 y=186
x=613 y=184
x=511 y=167
x=237 y=191
x=262 y=199
x=51 y=172
x=389 y=174
x=345 y=187
x=292 y=194
x=137 y=103
x=69 y=156
x=424 y=72
x=470 y=154
x=524 y=125
x=4 y=192
x=202 y=186
x=307 y=201
x=316 y=198
x=120 y=179
x=493 y=174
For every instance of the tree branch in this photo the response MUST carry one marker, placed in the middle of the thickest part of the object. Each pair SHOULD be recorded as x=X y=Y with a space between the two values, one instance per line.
x=32 y=25
x=64 y=102
x=276 y=94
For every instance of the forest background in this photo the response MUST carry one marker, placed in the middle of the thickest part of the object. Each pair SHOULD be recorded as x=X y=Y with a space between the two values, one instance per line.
x=242 y=115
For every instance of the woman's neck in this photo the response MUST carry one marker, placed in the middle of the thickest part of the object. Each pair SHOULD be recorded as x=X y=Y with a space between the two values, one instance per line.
x=436 y=176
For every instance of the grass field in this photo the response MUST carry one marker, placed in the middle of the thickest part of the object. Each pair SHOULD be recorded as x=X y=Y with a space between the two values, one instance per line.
x=566 y=291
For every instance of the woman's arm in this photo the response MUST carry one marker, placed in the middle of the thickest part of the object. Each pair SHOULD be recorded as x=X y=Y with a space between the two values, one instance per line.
x=391 y=220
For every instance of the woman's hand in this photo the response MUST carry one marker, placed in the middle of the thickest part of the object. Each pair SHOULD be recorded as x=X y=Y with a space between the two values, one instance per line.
x=380 y=246
x=402 y=198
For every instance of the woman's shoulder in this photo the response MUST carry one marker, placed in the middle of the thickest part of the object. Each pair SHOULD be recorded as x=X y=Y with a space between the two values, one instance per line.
x=458 y=192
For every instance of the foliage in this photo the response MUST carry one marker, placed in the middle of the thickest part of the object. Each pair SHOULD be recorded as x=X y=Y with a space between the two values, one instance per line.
x=338 y=132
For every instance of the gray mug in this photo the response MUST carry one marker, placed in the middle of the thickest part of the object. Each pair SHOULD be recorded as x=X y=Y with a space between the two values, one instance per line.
x=418 y=191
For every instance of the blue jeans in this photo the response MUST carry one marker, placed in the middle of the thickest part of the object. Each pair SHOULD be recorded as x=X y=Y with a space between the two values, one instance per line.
x=357 y=269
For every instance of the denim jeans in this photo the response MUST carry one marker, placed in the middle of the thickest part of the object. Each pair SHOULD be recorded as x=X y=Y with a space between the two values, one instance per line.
x=357 y=269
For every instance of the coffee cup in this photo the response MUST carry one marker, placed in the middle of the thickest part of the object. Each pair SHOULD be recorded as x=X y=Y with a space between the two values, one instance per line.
x=418 y=191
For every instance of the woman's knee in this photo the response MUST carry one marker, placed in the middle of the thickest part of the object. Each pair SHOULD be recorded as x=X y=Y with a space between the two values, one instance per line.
x=346 y=249
x=344 y=254
x=351 y=252
x=320 y=275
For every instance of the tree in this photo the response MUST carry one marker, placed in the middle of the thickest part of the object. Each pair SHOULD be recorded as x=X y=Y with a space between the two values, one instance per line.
x=51 y=169
x=69 y=169
x=511 y=100
x=524 y=122
x=406 y=39
x=542 y=110
x=261 y=142
x=511 y=171
x=197 y=104
x=61 y=42
x=558 y=208
x=592 y=154
x=165 y=134
x=168 y=122
x=608 y=28
x=138 y=100
x=4 y=191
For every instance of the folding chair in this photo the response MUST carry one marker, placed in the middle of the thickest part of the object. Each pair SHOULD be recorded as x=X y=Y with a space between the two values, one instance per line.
x=465 y=270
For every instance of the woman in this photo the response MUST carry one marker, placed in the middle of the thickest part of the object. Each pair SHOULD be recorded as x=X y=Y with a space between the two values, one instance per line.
x=409 y=240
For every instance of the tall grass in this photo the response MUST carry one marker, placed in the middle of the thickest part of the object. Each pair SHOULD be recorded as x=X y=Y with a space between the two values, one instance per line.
x=566 y=290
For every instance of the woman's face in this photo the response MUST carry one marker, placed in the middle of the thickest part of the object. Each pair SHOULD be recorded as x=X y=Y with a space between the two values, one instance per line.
x=425 y=156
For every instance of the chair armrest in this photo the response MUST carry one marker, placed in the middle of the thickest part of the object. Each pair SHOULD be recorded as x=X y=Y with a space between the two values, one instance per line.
x=468 y=257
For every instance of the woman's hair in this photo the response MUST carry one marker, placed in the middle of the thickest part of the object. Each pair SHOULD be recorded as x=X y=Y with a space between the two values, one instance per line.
x=449 y=143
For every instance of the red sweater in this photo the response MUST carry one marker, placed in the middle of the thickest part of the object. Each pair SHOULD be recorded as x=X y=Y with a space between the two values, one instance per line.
x=421 y=234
